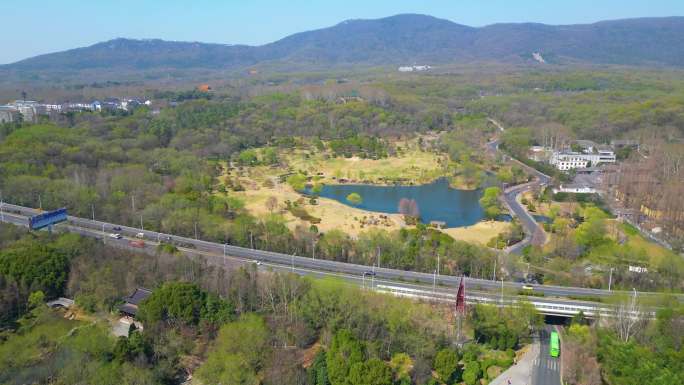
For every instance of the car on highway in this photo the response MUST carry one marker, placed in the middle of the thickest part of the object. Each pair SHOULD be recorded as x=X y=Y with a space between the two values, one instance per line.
x=370 y=273
x=257 y=262
x=528 y=287
x=116 y=228
x=140 y=235
x=115 y=236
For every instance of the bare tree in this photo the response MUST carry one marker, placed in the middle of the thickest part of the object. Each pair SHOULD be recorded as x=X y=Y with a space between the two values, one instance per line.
x=409 y=207
x=629 y=318
x=271 y=203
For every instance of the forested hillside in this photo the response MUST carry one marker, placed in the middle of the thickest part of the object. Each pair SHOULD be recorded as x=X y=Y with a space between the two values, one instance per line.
x=169 y=167
x=237 y=326
x=395 y=40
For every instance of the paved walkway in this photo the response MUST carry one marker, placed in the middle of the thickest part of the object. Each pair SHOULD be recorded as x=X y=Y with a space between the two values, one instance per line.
x=520 y=374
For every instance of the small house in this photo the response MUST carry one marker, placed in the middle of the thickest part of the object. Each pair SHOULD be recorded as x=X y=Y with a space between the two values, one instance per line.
x=130 y=306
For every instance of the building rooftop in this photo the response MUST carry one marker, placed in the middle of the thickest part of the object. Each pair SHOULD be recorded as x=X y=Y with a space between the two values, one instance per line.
x=139 y=295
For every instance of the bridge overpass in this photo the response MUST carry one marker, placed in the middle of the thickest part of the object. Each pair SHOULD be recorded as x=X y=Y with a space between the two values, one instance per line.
x=556 y=300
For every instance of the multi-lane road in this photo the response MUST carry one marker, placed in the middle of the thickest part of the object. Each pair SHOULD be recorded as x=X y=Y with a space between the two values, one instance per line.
x=19 y=216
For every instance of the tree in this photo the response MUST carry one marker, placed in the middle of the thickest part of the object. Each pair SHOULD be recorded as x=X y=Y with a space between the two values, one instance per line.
x=371 y=372
x=237 y=353
x=354 y=198
x=318 y=372
x=184 y=303
x=490 y=202
x=402 y=365
x=446 y=363
x=270 y=156
x=35 y=299
x=271 y=203
x=248 y=158
x=628 y=317
x=409 y=208
x=592 y=232
x=472 y=373
x=297 y=181
x=345 y=351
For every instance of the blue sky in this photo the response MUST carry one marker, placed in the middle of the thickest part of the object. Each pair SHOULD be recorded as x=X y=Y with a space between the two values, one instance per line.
x=30 y=27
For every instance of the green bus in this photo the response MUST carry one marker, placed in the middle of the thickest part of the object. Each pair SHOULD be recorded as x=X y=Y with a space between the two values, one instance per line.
x=554 y=345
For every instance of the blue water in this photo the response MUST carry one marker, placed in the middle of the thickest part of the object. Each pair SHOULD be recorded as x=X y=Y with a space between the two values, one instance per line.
x=436 y=201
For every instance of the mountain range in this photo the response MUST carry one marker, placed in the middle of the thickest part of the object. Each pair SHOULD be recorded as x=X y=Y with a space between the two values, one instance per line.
x=397 y=40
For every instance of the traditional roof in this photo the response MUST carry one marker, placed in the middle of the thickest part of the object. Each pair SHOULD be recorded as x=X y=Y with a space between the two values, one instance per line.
x=133 y=300
x=139 y=295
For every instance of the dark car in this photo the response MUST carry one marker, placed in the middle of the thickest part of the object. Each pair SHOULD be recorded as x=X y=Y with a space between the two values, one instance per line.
x=371 y=273
x=116 y=228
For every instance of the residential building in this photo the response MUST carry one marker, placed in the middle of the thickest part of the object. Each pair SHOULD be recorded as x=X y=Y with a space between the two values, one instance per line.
x=130 y=307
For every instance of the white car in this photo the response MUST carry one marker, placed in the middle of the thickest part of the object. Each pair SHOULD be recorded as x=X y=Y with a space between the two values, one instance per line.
x=115 y=236
x=528 y=287
x=140 y=235
x=258 y=263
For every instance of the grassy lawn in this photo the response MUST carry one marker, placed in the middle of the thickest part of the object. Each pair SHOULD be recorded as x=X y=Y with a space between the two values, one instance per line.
x=34 y=343
x=480 y=232
x=413 y=166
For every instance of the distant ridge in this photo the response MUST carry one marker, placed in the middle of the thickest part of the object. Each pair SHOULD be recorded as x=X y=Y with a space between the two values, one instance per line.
x=400 y=39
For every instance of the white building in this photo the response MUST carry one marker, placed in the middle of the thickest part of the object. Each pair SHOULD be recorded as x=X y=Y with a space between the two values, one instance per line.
x=575 y=189
x=590 y=156
x=414 y=68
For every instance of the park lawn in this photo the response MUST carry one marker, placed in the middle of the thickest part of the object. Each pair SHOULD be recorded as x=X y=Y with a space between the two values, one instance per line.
x=413 y=166
x=333 y=215
x=480 y=232
x=636 y=241
x=642 y=252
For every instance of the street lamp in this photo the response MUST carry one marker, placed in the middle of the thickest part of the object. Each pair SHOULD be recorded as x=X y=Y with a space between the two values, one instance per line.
x=434 y=280
x=610 y=278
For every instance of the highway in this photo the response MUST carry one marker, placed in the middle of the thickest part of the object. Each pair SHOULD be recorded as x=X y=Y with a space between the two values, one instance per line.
x=87 y=227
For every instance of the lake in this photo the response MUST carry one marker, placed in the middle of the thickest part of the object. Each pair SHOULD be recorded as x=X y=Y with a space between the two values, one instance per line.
x=436 y=201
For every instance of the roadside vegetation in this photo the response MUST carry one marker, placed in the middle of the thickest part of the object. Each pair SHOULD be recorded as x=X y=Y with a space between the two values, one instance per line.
x=233 y=326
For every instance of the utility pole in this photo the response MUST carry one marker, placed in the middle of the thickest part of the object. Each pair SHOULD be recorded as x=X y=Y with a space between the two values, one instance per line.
x=434 y=280
x=40 y=203
x=132 y=203
x=224 y=250
x=195 y=229
x=251 y=240
x=610 y=278
x=313 y=249
x=494 y=272
x=92 y=210
x=502 y=292
x=141 y=223
x=293 y=262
